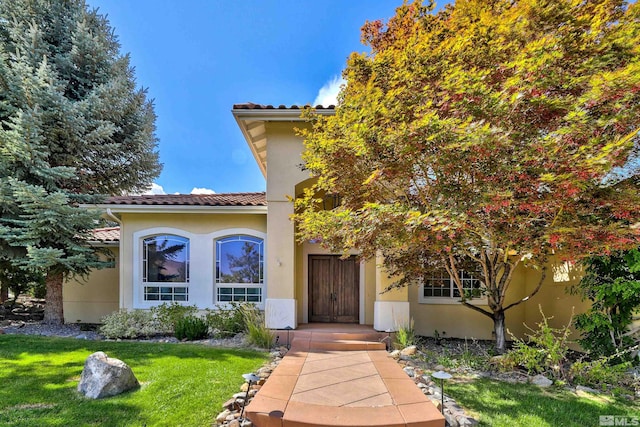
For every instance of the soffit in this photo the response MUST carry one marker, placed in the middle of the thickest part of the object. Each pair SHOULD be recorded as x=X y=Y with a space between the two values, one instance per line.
x=252 y=119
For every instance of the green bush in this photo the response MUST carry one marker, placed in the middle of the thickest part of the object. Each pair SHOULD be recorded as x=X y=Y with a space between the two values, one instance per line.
x=612 y=284
x=168 y=315
x=257 y=333
x=129 y=324
x=545 y=351
x=599 y=373
x=192 y=328
x=225 y=323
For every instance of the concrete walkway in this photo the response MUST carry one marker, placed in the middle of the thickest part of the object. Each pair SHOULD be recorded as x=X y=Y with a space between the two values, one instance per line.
x=340 y=379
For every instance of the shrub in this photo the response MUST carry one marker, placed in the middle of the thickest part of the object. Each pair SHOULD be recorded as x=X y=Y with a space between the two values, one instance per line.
x=612 y=284
x=192 y=328
x=129 y=324
x=226 y=323
x=599 y=373
x=545 y=351
x=406 y=335
x=168 y=315
x=257 y=333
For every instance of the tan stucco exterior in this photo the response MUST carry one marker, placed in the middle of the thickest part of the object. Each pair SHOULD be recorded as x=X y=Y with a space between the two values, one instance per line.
x=199 y=227
x=89 y=300
x=273 y=141
x=455 y=320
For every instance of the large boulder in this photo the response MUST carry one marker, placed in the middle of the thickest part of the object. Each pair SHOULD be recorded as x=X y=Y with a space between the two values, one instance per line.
x=103 y=376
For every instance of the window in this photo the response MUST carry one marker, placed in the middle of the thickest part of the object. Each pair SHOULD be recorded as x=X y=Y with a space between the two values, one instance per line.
x=239 y=269
x=441 y=285
x=165 y=268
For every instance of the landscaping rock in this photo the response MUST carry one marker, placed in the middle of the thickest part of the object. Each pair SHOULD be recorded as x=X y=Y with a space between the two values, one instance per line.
x=395 y=354
x=409 y=371
x=222 y=416
x=541 y=381
x=409 y=351
x=103 y=376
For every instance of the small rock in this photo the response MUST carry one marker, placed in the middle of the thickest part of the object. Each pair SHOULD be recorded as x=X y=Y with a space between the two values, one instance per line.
x=409 y=351
x=451 y=419
x=222 y=416
x=81 y=337
x=541 y=381
x=395 y=354
x=230 y=417
x=422 y=385
x=246 y=423
x=229 y=404
x=439 y=368
x=244 y=387
x=409 y=371
x=240 y=395
x=234 y=423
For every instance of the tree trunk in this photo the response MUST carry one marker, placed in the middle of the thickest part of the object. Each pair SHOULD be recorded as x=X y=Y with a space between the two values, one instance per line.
x=53 y=311
x=499 y=330
x=4 y=292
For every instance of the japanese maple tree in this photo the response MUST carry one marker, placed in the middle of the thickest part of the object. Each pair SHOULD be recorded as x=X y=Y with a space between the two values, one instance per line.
x=482 y=137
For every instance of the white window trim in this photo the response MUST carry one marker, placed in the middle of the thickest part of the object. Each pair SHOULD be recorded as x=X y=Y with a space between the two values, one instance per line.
x=447 y=300
x=138 y=248
x=230 y=232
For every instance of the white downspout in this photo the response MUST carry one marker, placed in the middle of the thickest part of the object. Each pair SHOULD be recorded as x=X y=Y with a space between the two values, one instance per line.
x=114 y=218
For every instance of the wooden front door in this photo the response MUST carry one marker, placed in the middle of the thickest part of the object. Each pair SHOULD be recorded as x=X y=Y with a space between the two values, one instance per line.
x=334 y=289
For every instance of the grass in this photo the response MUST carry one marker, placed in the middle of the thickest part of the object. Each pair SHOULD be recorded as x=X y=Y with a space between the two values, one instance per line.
x=181 y=384
x=496 y=403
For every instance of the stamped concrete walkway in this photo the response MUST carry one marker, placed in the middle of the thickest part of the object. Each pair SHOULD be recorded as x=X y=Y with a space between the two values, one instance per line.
x=341 y=378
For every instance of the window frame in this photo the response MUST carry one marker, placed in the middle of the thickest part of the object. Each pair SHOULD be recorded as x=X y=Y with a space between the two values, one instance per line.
x=451 y=299
x=218 y=285
x=144 y=270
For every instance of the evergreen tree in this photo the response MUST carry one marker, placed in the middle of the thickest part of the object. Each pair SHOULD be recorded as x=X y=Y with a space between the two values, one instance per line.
x=73 y=126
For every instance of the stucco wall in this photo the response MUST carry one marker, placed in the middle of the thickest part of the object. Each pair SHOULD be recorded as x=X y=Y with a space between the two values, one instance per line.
x=462 y=322
x=201 y=228
x=89 y=300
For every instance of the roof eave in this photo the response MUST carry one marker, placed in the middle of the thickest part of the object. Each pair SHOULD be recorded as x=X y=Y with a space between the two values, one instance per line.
x=103 y=244
x=181 y=209
x=246 y=116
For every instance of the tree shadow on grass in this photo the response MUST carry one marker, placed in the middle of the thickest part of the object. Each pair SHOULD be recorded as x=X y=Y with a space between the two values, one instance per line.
x=40 y=377
x=503 y=404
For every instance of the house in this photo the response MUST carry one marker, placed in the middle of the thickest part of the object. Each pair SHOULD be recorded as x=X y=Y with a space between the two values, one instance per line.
x=208 y=250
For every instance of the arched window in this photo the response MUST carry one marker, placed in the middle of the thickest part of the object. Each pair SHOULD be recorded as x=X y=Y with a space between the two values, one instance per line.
x=165 y=268
x=239 y=269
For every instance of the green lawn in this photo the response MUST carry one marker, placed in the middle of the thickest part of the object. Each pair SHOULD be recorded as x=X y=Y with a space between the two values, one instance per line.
x=182 y=384
x=498 y=404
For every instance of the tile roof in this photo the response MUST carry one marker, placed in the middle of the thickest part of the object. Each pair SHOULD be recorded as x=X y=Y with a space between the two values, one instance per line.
x=109 y=234
x=222 y=199
x=252 y=106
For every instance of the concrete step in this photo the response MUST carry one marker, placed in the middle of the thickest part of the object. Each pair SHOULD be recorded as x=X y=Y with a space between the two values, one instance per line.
x=339 y=341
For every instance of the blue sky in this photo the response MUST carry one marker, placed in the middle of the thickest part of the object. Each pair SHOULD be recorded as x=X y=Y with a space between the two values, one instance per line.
x=199 y=57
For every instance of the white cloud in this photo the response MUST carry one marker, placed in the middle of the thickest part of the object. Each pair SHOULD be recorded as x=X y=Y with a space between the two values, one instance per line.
x=197 y=190
x=328 y=94
x=154 y=189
